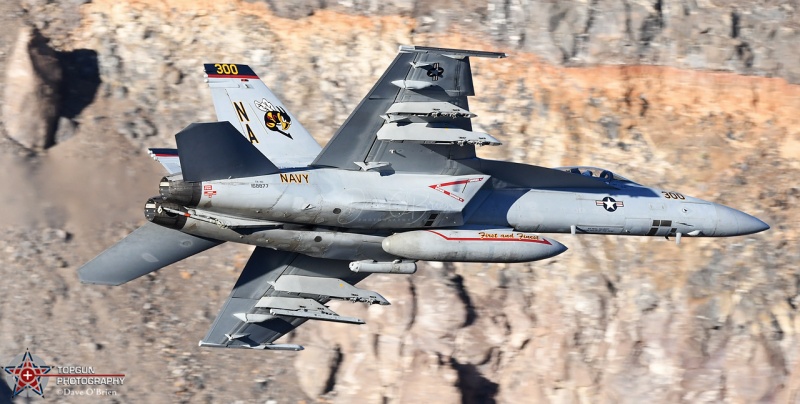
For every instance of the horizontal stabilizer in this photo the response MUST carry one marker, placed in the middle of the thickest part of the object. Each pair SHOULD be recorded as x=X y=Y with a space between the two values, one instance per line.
x=216 y=150
x=149 y=248
x=168 y=158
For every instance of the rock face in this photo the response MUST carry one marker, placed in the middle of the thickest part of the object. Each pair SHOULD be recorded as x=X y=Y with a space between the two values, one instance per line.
x=700 y=97
x=745 y=37
x=726 y=35
x=32 y=92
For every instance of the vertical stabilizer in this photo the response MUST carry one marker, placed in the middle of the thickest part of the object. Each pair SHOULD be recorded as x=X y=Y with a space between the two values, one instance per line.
x=214 y=151
x=242 y=99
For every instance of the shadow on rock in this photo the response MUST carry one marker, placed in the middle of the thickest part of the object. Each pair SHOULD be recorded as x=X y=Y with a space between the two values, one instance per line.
x=81 y=79
x=475 y=388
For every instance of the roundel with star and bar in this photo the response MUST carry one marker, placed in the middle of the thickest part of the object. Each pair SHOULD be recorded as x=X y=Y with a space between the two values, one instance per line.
x=610 y=204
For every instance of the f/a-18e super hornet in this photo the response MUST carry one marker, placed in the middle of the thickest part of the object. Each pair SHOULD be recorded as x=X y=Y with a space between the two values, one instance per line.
x=399 y=182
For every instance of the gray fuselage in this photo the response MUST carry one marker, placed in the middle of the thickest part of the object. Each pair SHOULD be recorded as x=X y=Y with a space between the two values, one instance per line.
x=343 y=214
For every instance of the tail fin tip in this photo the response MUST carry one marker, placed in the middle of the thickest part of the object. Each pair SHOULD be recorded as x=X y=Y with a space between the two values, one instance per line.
x=229 y=71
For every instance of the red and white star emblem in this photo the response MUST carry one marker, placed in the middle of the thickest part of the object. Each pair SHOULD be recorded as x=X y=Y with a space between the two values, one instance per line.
x=28 y=375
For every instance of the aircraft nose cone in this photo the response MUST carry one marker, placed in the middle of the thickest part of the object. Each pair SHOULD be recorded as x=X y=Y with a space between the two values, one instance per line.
x=749 y=224
x=731 y=222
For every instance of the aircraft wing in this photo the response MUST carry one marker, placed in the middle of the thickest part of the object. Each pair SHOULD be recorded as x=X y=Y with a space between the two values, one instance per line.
x=415 y=119
x=277 y=292
x=147 y=249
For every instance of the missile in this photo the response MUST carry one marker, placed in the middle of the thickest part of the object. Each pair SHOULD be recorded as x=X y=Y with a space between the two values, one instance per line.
x=368 y=266
x=488 y=245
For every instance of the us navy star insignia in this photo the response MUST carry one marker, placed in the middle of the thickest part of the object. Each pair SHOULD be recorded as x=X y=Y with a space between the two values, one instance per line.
x=609 y=204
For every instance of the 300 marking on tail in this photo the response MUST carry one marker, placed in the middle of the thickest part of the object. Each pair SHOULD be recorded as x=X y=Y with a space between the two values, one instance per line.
x=224 y=68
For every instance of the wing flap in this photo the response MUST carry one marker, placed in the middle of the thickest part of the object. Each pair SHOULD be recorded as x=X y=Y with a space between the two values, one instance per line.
x=147 y=249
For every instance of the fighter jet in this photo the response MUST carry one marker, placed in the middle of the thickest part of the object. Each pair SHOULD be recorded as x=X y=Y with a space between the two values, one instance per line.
x=399 y=182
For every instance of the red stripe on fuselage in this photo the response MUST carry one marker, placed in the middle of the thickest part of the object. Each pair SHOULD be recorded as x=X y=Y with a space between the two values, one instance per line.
x=540 y=240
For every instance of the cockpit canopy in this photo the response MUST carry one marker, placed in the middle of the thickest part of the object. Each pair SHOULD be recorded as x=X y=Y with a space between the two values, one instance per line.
x=595 y=172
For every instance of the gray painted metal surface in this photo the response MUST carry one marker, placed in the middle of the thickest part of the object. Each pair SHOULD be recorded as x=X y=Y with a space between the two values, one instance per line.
x=450 y=81
x=331 y=287
x=303 y=308
x=245 y=101
x=399 y=182
x=147 y=249
x=213 y=151
x=485 y=245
